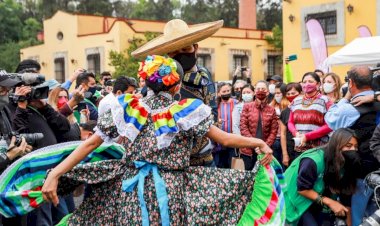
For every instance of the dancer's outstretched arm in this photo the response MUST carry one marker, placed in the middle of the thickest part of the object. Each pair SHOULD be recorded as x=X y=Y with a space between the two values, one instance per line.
x=237 y=141
x=49 y=190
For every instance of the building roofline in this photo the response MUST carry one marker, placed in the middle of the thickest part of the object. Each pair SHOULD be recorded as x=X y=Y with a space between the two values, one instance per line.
x=129 y=22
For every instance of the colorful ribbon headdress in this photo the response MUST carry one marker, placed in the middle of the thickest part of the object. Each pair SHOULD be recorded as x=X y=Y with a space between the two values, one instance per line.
x=159 y=69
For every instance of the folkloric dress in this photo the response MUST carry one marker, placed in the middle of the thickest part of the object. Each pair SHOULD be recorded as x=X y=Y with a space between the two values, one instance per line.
x=153 y=183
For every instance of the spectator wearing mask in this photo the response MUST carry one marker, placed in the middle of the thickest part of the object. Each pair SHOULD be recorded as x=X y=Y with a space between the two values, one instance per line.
x=331 y=87
x=306 y=119
x=12 y=151
x=238 y=84
x=59 y=100
x=123 y=85
x=273 y=81
x=292 y=91
x=279 y=103
x=36 y=116
x=362 y=119
x=88 y=83
x=247 y=97
x=226 y=104
x=318 y=177
x=258 y=120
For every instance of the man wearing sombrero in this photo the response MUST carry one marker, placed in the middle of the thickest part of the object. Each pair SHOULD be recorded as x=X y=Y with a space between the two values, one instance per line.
x=179 y=41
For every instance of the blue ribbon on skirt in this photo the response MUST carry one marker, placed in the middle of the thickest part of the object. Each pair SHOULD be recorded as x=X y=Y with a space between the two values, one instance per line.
x=162 y=196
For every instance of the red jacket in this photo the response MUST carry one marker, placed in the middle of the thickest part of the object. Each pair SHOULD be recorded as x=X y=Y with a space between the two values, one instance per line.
x=249 y=119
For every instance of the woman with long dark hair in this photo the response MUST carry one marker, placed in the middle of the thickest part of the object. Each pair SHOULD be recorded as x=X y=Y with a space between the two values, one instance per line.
x=323 y=180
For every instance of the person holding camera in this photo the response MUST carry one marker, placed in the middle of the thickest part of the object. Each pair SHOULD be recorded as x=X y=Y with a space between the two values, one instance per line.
x=238 y=84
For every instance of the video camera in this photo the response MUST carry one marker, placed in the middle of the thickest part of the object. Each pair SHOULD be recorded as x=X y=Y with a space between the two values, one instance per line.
x=39 y=90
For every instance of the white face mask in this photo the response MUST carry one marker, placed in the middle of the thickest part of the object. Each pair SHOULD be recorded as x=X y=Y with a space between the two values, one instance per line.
x=247 y=97
x=272 y=88
x=328 y=87
x=278 y=99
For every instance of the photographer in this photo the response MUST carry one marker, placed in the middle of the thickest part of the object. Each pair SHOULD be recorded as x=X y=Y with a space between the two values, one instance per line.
x=14 y=151
x=9 y=152
x=33 y=115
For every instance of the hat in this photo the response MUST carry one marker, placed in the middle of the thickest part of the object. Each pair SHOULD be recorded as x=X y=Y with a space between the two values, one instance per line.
x=276 y=78
x=7 y=81
x=177 y=34
x=28 y=65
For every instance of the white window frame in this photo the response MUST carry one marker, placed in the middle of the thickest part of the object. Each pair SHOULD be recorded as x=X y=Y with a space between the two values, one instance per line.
x=332 y=40
x=96 y=50
x=64 y=56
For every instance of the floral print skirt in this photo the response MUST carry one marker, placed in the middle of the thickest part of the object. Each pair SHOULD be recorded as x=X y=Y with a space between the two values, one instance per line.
x=197 y=195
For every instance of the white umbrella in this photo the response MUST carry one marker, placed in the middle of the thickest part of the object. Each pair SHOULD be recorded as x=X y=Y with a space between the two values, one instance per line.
x=358 y=52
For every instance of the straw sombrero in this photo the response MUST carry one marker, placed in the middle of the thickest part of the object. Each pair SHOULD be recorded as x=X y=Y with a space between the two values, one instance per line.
x=177 y=34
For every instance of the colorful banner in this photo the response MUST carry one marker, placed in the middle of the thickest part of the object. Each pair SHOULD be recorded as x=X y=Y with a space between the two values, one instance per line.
x=318 y=44
x=364 y=31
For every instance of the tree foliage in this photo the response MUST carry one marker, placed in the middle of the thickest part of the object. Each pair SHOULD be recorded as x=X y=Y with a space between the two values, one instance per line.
x=276 y=38
x=123 y=62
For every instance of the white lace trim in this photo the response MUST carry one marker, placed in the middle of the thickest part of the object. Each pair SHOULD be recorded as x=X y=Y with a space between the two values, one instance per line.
x=123 y=128
x=191 y=120
x=194 y=118
x=102 y=135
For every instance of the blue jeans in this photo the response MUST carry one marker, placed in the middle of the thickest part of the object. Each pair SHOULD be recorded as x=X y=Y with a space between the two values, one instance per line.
x=362 y=204
x=277 y=151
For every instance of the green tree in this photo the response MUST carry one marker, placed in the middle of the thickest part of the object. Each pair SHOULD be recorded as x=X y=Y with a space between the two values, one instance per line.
x=199 y=11
x=269 y=13
x=30 y=30
x=98 y=7
x=11 y=25
x=276 y=39
x=124 y=63
x=10 y=55
x=155 y=9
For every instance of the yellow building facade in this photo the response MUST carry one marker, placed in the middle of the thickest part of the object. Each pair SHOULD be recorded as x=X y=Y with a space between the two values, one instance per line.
x=340 y=19
x=75 y=40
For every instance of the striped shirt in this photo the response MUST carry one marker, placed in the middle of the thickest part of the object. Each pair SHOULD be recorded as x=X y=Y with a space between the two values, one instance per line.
x=225 y=114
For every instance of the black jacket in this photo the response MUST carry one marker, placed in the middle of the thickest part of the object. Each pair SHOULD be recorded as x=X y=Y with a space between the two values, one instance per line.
x=45 y=120
x=374 y=143
x=364 y=128
x=5 y=130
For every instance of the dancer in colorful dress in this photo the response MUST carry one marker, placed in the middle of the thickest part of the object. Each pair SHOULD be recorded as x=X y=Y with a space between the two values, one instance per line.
x=160 y=133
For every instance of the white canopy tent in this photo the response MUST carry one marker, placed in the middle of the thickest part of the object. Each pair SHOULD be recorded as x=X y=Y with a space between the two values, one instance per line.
x=358 y=52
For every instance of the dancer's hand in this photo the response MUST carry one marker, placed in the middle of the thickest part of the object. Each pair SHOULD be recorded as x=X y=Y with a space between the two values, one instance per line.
x=267 y=151
x=49 y=189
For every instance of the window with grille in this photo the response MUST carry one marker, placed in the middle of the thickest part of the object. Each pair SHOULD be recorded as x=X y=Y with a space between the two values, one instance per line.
x=204 y=60
x=59 y=69
x=240 y=61
x=271 y=65
x=327 y=20
x=93 y=62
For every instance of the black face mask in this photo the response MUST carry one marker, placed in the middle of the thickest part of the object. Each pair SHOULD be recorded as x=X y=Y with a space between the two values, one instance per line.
x=351 y=158
x=237 y=95
x=90 y=92
x=187 y=60
x=226 y=96
x=350 y=171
